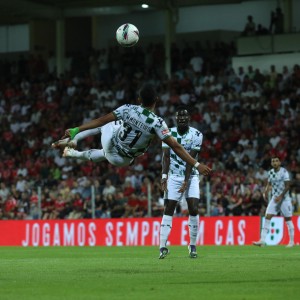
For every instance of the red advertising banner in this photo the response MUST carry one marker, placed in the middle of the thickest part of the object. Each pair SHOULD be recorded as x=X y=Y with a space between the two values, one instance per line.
x=278 y=233
x=138 y=232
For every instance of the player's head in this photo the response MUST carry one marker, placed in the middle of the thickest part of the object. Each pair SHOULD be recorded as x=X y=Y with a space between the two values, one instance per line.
x=182 y=116
x=275 y=162
x=147 y=95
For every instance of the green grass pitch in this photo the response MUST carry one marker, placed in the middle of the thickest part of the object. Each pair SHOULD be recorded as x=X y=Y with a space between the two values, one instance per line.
x=224 y=272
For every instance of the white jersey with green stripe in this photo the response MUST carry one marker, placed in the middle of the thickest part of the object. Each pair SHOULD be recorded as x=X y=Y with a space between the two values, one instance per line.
x=191 y=140
x=139 y=127
x=277 y=181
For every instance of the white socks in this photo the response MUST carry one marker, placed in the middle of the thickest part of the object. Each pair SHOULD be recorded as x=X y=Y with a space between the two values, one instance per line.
x=166 y=226
x=165 y=229
x=290 y=226
x=94 y=155
x=193 y=223
x=265 y=230
x=83 y=134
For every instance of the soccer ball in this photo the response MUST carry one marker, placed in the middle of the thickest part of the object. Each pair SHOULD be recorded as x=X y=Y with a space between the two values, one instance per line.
x=127 y=35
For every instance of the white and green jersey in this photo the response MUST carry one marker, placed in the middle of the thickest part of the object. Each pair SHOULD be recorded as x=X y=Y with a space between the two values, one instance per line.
x=191 y=140
x=277 y=180
x=139 y=127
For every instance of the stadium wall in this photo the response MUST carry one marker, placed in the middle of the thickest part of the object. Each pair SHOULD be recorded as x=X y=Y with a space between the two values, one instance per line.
x=230 y=18
x=140 y=232
x=264 y=62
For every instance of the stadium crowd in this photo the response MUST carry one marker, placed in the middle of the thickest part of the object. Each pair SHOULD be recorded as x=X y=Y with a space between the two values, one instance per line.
x=245 y=117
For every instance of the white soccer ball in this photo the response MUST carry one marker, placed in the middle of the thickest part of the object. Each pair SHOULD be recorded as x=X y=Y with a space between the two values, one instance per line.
x=127 y=35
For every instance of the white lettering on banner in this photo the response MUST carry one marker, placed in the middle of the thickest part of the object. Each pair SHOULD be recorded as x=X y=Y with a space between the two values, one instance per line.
x=69 y=235
x=184 y=231
x=25 y=242
x=81 y=234
x=230 y=236
x=230 y=233
x=200 y=235
x=35 y=235
x=145 y=231
x=56 y=235
x=46 y=234
x=218 y=238
x=155 y=233
x=109 y=239
x=132 y=234
x=92 y=237
x=241 y=237
x=119 y=233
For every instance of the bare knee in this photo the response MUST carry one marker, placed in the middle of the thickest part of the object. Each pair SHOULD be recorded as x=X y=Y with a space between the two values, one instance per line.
x=170 y=206
x=269 y=217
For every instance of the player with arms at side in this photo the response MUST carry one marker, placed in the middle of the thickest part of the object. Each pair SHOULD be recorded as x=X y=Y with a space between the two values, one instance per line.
x=122 y=143
x=279 y=185
x=180 y=180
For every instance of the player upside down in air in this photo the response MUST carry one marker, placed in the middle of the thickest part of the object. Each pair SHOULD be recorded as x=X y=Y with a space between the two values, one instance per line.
x=124 y=141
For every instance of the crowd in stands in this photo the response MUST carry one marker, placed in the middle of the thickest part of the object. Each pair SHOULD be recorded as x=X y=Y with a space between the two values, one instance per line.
x=245 y=116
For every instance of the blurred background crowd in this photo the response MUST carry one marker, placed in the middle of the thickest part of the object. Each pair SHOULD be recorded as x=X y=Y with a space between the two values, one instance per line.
x=245 y=117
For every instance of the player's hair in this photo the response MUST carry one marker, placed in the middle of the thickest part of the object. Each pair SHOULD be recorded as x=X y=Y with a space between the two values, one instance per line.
x=182 y=107
x=275 y=156
x=147 y=95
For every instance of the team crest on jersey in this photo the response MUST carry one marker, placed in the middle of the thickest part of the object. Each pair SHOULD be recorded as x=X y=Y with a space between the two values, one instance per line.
x=165 y=131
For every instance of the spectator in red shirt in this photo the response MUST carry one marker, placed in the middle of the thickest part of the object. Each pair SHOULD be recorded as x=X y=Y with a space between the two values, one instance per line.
x=128 y=189
x=77 y=203
x=131 y=206
x=10 y=207
x=59 y=206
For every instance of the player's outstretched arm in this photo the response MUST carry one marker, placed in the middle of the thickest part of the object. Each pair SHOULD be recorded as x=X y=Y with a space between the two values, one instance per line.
x=184 y=155
x=71 y=132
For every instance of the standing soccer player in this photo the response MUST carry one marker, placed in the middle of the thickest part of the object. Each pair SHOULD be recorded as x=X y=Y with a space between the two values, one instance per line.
x=123 y=142
x=279 y=185
x=180 y=180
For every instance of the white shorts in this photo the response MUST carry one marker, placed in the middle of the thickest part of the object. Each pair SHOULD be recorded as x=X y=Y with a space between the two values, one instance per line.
x=174 y=184
x=285 y=207
x=110 y=151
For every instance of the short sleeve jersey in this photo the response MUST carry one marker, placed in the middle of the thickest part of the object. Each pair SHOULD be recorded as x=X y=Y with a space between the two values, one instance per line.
x=277 y=180
x=139 y=127
x=191 y=140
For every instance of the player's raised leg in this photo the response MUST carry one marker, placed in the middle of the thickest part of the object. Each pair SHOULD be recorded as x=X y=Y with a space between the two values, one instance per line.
x=67 y=142
x=95 y=155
